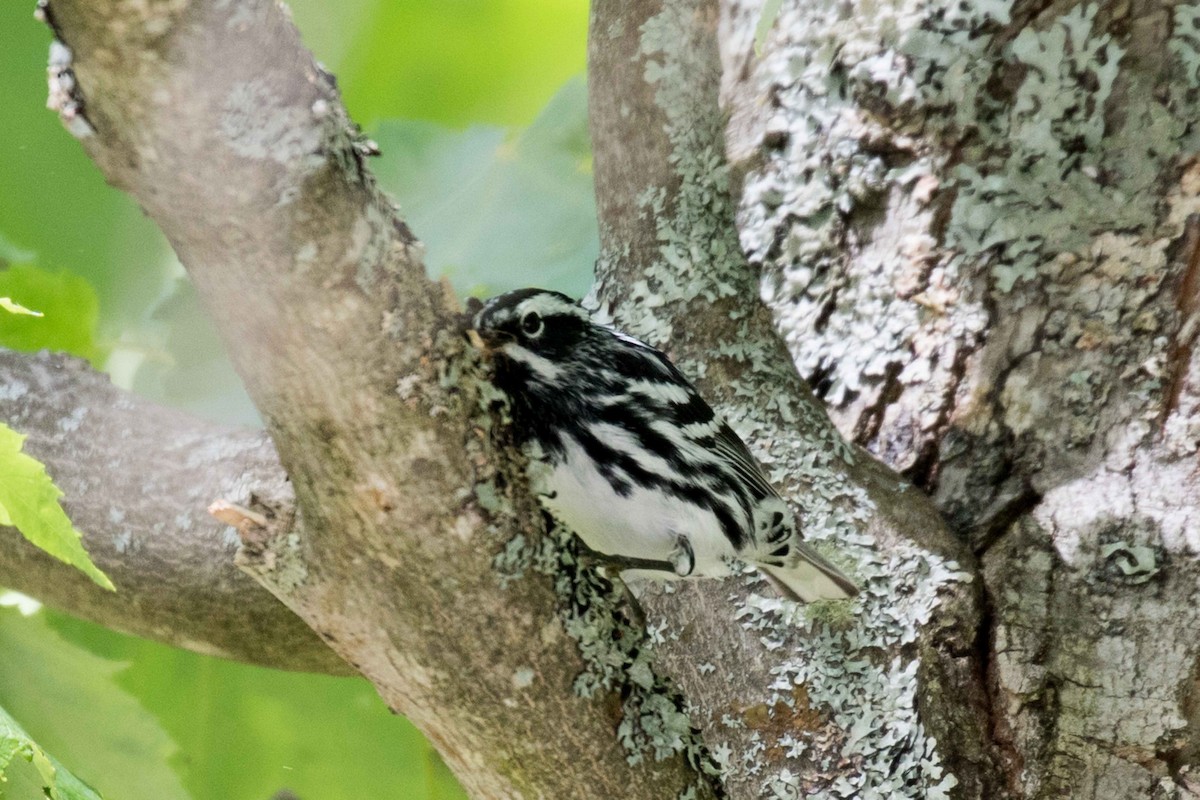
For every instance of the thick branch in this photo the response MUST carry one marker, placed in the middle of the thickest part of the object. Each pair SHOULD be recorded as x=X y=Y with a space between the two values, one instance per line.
x=800 y=701
x=214 y=116
x=1009 y=320
x=137 y=479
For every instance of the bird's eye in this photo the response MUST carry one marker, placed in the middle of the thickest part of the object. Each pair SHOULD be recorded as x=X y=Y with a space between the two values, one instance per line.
x=532 y=324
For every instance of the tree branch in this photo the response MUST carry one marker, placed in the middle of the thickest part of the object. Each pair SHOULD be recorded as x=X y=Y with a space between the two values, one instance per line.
x=218 y=121
x=137 y=479
x=825 y=697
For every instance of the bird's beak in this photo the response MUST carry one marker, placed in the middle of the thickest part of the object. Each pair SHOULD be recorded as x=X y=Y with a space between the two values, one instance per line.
x=483 y=340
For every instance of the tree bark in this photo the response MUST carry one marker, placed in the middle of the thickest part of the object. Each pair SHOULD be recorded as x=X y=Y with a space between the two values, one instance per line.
x=975 y=229
x=137 y=481
x=978 y=230
x=816 y=699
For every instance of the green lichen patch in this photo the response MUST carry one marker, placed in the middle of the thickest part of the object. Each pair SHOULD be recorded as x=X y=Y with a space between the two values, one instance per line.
x=837 y=661
x=842 y=215
x=932 y=170
x=1185 y=44
x=1050 y=165
x=700 y=259
x=913 y=148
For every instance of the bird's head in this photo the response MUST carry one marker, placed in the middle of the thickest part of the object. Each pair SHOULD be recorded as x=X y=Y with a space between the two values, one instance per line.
x=534 y=327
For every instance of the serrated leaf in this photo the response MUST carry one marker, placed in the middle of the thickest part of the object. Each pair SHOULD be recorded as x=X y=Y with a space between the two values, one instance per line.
x=58 y=782
x=16 y=308
x=29 y=502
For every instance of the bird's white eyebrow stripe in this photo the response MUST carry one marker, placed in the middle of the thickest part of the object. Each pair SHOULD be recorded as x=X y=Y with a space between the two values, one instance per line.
x=548 y=305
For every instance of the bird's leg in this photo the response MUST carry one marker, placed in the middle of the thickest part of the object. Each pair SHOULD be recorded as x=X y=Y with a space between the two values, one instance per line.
x=637 y=617
x=594 y=558
x=622 y=563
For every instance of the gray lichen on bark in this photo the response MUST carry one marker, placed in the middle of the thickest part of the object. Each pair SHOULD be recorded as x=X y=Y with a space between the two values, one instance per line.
x=822 y=698
x=978 y=228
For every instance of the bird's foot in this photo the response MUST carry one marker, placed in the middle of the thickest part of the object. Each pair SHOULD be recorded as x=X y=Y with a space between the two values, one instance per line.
x=683 y=558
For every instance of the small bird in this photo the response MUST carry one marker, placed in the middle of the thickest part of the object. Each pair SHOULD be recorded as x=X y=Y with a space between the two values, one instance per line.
x=626 y=453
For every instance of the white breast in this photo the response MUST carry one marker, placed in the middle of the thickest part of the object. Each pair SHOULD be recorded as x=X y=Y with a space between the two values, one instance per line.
x=643 y=524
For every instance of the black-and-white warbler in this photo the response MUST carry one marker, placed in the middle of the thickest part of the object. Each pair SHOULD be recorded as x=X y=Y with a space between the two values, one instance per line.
x=626 y=453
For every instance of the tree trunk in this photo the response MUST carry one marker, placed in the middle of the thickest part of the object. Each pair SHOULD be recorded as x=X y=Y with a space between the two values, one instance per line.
x=972 y=228
x=979 y=234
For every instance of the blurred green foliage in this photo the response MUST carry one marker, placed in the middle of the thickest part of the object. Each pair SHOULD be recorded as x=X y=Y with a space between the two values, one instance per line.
x=457 y=62
x=68 y=312
x=497 y=210
x=65 y=696
x=138 y=719
x=54 y=204
x=449 y=88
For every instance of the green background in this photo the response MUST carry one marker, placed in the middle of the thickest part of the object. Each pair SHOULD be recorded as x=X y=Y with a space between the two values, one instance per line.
x=480 y=110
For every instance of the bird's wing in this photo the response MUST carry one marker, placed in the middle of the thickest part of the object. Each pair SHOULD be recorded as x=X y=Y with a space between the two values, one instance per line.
x=725 y=442
x=730 y=446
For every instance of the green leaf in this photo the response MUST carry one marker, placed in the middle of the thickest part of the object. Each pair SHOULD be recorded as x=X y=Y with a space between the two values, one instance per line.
x=29 y=502
x=59 y=784
x=67 y=312
x=14 y=308
x=497 y=211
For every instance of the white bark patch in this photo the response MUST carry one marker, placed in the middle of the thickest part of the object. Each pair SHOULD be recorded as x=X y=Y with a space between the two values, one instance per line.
x=256 y=126
x=13 y=389
x=63 y=97
x=842 y=214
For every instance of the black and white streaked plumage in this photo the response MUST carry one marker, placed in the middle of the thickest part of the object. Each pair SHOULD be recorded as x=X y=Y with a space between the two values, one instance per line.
x=635 y=461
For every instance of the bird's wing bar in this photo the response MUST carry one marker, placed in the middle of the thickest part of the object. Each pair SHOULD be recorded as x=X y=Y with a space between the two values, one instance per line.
x=725 y=442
